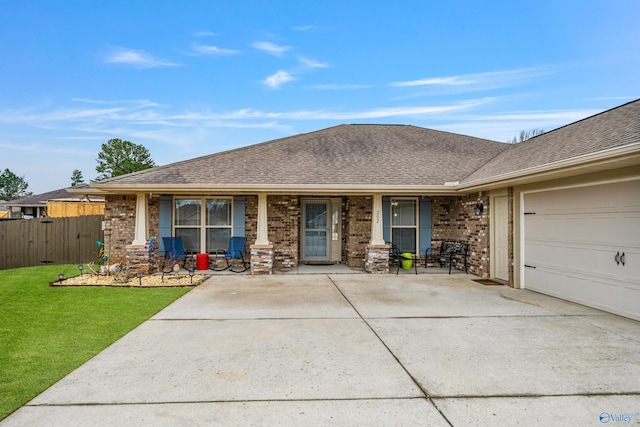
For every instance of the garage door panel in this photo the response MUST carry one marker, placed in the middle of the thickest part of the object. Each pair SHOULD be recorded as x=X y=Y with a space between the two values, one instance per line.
x=557 y=257
x=599 y=198
x=593 y=229
x=555 y=282
x=620 y=298
x=572 y=237
x=628 y=230
x=629 y=298
x=631 y=269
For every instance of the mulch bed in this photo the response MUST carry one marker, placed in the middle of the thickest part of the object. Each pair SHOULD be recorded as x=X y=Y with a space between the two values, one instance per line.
x=150 y=281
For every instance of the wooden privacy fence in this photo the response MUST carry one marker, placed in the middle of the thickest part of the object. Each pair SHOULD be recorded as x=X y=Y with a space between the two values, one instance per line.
x=42 y=241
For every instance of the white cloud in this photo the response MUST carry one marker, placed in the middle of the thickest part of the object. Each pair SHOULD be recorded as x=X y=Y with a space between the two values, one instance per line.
x=456 y=80
x=271 y=48
x=138 y=58
x=204 y=49
x=278 y=79
x=491 y=79
x=310 y=63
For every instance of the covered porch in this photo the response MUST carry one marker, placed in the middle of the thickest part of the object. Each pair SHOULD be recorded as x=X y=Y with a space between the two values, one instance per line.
x=275 y=227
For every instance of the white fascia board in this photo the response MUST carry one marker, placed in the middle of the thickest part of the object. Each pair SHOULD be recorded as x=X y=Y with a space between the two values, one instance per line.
x=275 y=189
x=602 y=157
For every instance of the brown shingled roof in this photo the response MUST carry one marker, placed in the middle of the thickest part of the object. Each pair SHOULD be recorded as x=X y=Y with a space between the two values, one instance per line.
x=613 y=128
x=387 y=155
x=340 y=155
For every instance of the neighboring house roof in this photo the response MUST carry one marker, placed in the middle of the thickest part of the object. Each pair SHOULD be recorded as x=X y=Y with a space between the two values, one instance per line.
x=42 y=199
x=398 y=157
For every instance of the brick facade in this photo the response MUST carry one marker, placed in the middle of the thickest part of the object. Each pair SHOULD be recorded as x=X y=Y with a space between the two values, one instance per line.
x=283 y=217
x=119 y=226
x=356 y=225
x=453 y=218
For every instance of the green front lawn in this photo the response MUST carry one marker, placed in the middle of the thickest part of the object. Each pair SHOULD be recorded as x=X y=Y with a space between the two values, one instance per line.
x=47 y=332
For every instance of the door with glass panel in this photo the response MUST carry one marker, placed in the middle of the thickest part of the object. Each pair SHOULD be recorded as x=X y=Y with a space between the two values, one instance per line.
x=315 y=230
x=404 y=224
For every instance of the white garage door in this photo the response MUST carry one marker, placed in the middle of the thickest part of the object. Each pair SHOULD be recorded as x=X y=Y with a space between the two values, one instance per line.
x=583 y=244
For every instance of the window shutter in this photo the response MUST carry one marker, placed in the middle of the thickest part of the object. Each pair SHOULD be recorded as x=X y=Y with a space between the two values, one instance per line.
x=238 y=216
x=425 y=224
x=386 y=218
x=164 y=229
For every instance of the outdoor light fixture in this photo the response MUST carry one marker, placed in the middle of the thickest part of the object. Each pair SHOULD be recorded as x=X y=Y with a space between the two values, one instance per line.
x=80 y=267
x=60 y=277
x=478 y=209
x=139 y=275
x=191 y=273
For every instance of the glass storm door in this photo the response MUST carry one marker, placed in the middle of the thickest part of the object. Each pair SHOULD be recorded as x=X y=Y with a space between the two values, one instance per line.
x=315 y=232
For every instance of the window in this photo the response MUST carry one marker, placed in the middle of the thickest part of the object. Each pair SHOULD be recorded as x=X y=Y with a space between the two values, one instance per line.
x=204 y=224
x=404 y=224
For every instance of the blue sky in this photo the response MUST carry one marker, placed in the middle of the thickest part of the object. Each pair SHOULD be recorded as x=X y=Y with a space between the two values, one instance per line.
x=191 y=78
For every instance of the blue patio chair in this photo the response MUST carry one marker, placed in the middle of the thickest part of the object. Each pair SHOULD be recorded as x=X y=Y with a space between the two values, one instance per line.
x=174 y=249
x=233 y=256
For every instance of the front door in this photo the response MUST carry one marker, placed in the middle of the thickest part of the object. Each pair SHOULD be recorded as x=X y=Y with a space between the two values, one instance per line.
x=315 y=230
x=501 y=236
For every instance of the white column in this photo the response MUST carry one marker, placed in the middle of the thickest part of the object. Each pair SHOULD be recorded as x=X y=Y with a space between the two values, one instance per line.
x=140 y=237
x=376 y=221
x=263 y=230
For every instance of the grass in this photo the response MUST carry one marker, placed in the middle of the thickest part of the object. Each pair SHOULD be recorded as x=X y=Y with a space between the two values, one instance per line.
x=46 y=332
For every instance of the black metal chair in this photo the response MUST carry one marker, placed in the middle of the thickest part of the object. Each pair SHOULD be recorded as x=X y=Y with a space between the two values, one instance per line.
x=398 y=257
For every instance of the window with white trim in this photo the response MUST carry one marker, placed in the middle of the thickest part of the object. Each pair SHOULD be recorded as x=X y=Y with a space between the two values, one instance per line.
x=404 y=224
x=205 y=224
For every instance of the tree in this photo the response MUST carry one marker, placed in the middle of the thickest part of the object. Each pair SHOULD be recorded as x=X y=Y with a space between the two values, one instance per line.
x=76 y=178
x=524 y=135
x=12 y=186
x=121 y=157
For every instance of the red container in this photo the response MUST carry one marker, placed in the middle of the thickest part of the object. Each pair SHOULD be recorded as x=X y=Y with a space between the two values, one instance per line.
x=202 y=261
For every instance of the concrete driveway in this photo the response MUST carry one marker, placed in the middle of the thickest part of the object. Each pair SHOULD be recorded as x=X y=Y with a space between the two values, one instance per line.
x=357 y=349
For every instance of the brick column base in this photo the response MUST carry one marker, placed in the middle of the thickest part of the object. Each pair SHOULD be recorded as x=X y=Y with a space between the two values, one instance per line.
x=261 y=259
x=377 y=261
x=138 y=258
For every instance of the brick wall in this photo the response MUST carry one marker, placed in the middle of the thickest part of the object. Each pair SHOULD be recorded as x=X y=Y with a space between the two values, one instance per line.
x=251 y=219
x=283 y=217
x=119 y=222
x=453 y=218
x=357 y=230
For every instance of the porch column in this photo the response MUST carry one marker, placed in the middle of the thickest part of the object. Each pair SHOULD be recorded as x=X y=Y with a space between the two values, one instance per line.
x=137 y=253
x=262 y=250
x=377 y=237
x=377 y=258
x=140 y=236
x=263 y=227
